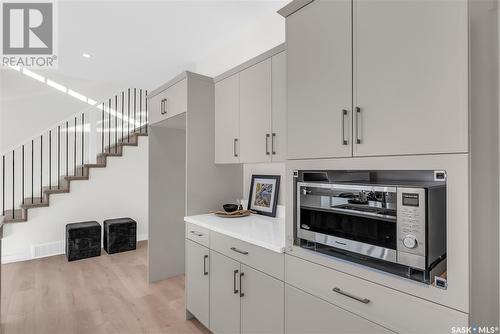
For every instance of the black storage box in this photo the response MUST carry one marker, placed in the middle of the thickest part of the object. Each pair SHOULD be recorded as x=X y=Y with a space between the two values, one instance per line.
x=83 y=240
x=120 y=235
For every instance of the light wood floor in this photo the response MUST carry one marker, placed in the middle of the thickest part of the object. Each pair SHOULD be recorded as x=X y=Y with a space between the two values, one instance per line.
x=107 y=294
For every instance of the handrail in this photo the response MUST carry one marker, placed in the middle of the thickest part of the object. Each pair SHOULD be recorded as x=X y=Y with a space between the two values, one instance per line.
x=64 y=149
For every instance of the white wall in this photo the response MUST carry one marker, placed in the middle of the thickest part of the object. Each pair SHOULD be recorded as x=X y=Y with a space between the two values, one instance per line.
x=119 y=190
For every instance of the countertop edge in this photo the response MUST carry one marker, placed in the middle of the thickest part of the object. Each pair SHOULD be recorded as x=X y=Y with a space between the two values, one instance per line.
x=265 y=245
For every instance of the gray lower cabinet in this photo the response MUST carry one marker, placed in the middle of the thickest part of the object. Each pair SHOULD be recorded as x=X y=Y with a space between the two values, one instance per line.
x=244 y=300
x=225 y=296
x=197 y=281
x=262 y=303
x=306 y=314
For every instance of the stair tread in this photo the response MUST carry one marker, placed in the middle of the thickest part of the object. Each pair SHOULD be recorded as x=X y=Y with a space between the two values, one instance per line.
x=18 y=216
x=55 y=190
x=34 y=203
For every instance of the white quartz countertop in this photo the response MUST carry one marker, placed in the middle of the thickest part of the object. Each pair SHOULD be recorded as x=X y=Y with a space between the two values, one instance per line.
x=256 y=229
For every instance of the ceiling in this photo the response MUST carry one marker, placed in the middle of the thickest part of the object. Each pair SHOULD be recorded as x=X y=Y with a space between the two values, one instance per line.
x=141 y=44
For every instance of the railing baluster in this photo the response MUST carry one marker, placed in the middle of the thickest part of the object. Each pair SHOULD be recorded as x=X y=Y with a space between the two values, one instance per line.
x=3 y=185
x=32 y=168
x=83 y=140
x=135 y=98
x=67 y=150
x=109 y=125
x=41 y=166
x=74 y=149
x=116 y=124
x=140 y=110
x=123 y=99
x=128 y=117
x=58 y=157
x=102 y=130
x=13 y=183
x=22 y=174
x=50 y=159
x=146 y=99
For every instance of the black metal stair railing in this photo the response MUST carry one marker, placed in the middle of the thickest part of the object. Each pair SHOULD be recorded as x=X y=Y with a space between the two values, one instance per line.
x=46 y=162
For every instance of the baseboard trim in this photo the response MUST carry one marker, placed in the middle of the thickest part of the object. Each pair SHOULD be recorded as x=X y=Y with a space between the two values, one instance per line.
x=20 y=257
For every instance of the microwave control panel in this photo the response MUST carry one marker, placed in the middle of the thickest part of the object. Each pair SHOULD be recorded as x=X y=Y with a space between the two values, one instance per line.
x=411 y=225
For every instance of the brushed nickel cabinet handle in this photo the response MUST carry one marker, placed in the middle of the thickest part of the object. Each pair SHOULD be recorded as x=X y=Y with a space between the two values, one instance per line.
x=235 y=289
x=205 y=272
x=267 y=142
x=241 y=286
x=358 y=125
x=198 y=234
x=272 y=144
x=343 y=293
x=344 y=114
x=234 y=147
x=234 y=249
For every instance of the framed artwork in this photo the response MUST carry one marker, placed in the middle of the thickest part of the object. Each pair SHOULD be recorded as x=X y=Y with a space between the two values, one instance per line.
x=263 y=197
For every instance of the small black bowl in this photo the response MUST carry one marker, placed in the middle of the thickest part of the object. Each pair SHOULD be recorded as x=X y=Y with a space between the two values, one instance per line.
x=230 y=207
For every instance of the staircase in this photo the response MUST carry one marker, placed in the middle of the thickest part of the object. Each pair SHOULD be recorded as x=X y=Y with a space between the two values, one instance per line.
x=48 y=163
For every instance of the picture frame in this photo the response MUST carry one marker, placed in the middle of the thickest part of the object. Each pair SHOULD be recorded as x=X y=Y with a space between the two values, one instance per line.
x=263 y=197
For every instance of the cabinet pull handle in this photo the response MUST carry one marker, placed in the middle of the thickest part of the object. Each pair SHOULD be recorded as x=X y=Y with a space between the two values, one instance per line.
x=234 y=147
x=358 y=125
x=344 y=114
x=163 y=107
x=235 y=289
x=198 y=234
x=234 y=249
x=205 y=272
x=272 y=144
x=267 y=142
x=241 y=286
x=343 y=293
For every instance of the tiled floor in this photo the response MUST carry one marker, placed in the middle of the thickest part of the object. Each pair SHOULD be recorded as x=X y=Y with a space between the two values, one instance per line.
x=107 y=294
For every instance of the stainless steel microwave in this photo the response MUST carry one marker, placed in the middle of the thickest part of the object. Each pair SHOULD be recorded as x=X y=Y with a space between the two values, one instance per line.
x=400 y=223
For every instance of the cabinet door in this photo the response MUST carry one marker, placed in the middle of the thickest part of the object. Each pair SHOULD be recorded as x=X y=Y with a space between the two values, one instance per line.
x=319 y=68
x=225 y=294
x=410 y=77
x=255 y=113
x=197 y=281
x=262 y=303
x=308 y=314
x=278 y=149
x=227 y=120
x=176 y=99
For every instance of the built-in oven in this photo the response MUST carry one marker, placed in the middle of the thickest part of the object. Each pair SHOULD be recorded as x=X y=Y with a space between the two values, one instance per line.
x=395 y=226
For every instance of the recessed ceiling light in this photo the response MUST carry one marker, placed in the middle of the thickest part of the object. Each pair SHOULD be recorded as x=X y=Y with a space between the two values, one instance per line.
x=86 y=55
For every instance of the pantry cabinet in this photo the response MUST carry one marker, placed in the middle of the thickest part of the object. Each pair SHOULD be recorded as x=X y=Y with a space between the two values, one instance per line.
x=319 y=65
x=250 y=109
x=197 y=281
x=396 y=84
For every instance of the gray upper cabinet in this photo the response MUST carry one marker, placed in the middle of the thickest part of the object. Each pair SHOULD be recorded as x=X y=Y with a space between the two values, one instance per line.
x=227 y=120
x=250 y=108
x=278 y=135
x=410 y=77
x=255 y=113
x=319 y=79
x=197 y=281
x=168 y=103
x=225 y=294
x=262 y=303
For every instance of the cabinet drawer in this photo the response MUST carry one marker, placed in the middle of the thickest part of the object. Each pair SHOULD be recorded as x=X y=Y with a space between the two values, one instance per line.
x=387 y=307
x=268 y=261
x=198 y=234
x=172 y=101
x=308 y=314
